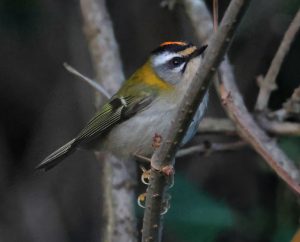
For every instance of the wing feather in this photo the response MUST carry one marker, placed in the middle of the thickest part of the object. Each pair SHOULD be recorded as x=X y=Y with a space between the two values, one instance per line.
x=111 y=114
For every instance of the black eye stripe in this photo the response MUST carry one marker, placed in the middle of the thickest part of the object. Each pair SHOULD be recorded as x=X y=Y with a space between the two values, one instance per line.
x=184 y=67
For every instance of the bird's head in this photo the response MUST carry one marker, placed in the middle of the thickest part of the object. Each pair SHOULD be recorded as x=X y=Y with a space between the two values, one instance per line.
x=176 y=63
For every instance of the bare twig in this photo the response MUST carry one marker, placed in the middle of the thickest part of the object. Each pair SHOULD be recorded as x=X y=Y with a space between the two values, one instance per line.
x=279 y=128
x=292 y=105
x=279 y=115
x=235 y=107
x=163 y=157
x=117 y=176
x=217 y=126
x=91 y=82
x=206 y=148
x=268 y=84
x=291 y=108
x=227 y=127
x=215 y=14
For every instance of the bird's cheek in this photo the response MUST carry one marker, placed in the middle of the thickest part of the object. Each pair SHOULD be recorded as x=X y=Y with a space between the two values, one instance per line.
x=191 y=69
x=195 y=62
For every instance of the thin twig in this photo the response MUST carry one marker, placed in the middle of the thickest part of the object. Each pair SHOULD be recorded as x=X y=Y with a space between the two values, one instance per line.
x=217 y=126
x=292 y=105
x=279 y=115
x=278 y=128
x=225 y=126
x=268 y=84
x=91 y=82
x=163 y=157
x=234 y=105
x=290 y=108
x=216 y=14
x=117 y=177
x=207 y=148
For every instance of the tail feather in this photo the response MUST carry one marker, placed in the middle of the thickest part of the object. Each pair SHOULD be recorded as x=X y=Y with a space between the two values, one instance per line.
x=57 y=156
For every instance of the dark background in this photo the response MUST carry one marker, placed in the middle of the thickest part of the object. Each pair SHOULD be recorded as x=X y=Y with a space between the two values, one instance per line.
x=223 y=197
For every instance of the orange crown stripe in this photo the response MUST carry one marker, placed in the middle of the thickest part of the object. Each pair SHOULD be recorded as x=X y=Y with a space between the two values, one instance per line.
x=173 y=43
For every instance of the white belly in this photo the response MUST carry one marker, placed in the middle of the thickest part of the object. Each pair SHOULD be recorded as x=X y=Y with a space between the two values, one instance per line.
x=135 y=135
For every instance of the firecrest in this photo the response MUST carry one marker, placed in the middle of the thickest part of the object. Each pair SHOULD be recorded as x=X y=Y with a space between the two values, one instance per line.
x=145 y=105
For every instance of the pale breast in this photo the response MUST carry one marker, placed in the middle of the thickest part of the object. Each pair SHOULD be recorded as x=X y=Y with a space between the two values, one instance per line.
x=136 y=134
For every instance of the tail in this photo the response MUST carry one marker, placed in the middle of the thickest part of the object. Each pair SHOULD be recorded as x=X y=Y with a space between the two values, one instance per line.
x=57 y=156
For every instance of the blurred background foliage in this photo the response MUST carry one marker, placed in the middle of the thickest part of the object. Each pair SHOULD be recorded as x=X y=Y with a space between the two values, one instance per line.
x=222 y=197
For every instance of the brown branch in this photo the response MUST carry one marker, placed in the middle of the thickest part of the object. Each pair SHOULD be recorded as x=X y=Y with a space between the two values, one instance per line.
x=233 y=104
x=117 y=176
x=163 y=157
x=268 y=84
x=207 y=148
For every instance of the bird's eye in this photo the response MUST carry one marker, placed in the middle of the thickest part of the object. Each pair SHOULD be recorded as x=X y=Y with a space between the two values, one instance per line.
x=177 y=61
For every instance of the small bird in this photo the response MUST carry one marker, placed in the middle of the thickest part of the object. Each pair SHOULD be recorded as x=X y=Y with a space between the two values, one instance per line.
x=144 y=106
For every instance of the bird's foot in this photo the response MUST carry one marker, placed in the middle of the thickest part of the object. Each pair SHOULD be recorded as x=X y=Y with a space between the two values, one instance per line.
x=145 y=177
x=141 y=200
